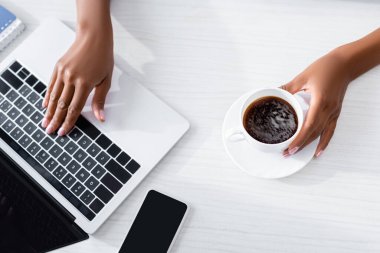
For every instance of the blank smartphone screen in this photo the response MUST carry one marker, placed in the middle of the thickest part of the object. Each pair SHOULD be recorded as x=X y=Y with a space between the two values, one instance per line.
x=156 y=224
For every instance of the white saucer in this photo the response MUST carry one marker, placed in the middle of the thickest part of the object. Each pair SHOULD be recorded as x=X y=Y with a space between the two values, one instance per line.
x=259 y=163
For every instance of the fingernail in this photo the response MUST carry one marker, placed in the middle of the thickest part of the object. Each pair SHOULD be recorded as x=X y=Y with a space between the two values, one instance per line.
x=44 y=123
x=61 y=131
x=285 y=155
x=319 y=154
x=44 y=103
x=293 y=150
x=49 y=129
x=101 y=115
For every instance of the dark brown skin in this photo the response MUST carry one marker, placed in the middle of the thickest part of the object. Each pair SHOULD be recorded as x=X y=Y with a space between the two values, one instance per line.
x=87 y=65
x=326 y=80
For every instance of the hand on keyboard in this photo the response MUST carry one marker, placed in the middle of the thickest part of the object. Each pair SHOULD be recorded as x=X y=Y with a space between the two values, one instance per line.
x=87 y=65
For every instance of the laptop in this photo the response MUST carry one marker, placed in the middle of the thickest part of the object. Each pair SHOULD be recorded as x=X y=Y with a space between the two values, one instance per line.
x=83 y=177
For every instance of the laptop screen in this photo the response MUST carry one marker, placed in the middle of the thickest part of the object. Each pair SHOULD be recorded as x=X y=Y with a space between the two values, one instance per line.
x=29 y=221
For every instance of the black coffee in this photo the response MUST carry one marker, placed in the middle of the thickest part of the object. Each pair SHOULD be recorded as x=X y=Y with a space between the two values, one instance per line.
x=270 y=120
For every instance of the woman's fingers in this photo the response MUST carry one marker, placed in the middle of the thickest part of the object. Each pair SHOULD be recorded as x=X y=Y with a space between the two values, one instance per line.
x=77 y=103
x=53 y=79
x=326 y=136
x=308 y=128
x=293 y=86
x=99 y=98
x=54 y=95
x=61 y=109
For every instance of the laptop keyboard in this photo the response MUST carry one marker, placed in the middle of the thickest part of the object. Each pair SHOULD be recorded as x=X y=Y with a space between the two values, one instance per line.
x=85 y=166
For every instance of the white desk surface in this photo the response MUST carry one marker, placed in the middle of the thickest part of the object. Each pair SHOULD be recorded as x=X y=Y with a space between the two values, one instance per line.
x=199 y=56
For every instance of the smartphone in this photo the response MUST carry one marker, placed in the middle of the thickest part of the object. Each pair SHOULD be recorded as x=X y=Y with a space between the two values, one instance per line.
x=156 y=225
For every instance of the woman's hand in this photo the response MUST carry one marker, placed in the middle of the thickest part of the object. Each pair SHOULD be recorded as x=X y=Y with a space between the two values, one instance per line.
x=87 y=65
x=326 y=80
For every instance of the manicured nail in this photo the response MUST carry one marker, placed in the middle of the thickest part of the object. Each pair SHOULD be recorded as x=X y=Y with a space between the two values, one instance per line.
x=61 y=131
x=49 y=129
x=44 y=123
x=101 y=115
x=293 y=150
x=319 y=154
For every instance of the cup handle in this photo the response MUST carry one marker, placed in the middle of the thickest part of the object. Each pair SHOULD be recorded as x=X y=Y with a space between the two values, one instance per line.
x=235 y=135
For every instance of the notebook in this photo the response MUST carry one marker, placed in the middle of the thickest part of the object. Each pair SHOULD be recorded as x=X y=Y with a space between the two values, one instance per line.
x=10 y=27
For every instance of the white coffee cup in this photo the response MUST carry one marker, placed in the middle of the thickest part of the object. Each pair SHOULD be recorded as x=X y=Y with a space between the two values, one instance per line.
x=240 y=133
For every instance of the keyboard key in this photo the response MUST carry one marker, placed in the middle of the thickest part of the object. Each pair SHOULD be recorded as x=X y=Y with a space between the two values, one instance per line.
x=74 y=201
x=87 y=197
x=98 y=171
x=132 y=166
x=53 y=135
x=43 y=93
x=40 y=87
x=51 y=164
x=82 y=175
x=37 y=117
x=103 y=194
x=47 y=143
x=17 y=133
x=12 y=95
x=39 y=106
x=59 y=172
x=89 y=163
x=25 y=90
x=84 y=142
x=33 y=148
x=4 y=87
x=15 y=66
x=80 y=155
x=13 y=113
x=69 y=180
x=5 y=106
x=11 y=79
x=30 y=128
x=88 y=128
x=20 y=103
x=118 y=171
x=38 y=135
x=23 y=73
x=96 y=206
x=21 y=120
x=71 y=147
x=77 y=189
x=73 y=166
x=3 y=118
x=75 y=134
x=55 y=151
x=102 y=158
x=64 y=159
x=28 y=110
x=86 y=212
x=103 y=141
x=42 y=156
x=33 y=97
x=114 y=150
x=31 y=80
x=62 y=140
x=93 y=150
x=53 y=181
x=25 y=141
x=8 y=126
x=91 y=183
x=1 y=98
x=123 y=158
x=111 y=183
